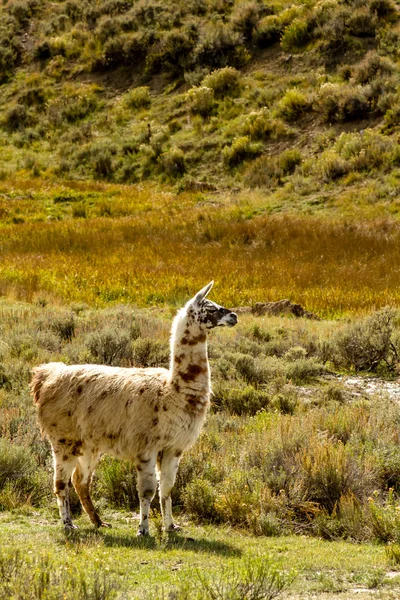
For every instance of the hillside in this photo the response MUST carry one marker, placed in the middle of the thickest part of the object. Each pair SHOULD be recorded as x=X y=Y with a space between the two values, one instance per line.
x=301 y=100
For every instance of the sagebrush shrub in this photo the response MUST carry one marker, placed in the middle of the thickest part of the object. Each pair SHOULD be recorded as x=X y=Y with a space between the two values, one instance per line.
x=224 y=82
x=268 y=31
x=342 y=102
x=199 y=499
x=138 y=97
x=296 y=35
x=200 y=101
x=292 y=105
x=110 y=346
x=367 y=345
x=172 y=163
x=241 y=149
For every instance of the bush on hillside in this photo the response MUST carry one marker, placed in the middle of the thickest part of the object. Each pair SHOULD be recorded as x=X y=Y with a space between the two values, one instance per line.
x=224 y=82
x=241 y=149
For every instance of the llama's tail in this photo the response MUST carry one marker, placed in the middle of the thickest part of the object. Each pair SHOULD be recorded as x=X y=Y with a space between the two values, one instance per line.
x=39 y=376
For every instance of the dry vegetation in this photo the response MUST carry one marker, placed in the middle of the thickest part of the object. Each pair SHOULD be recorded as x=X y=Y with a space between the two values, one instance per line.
x=97 y=244
x=272 y=458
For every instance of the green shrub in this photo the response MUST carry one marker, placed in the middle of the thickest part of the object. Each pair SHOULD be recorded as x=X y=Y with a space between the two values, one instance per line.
x=16 y=118
x=266 y=171
x=150 y=353
x=64 y=326
x=138 y=97
x=303 y=370
x=268 y=31
x=293 y=104
x=361 y=23
x=20 y=477
x=102 y=162
x=219 y=46
x=372 y=66
x=342 y=102
x=200 y=101
x=241 y=400
x=5 y=382
x=224 y=82
x=259 y=125
x=173 y=163
x=110 y=346
x=296 y=35
x=199 y=499
x=367 y=345
x=115 y=482
x=253 y=580
x=241 y=149
x=245 y=18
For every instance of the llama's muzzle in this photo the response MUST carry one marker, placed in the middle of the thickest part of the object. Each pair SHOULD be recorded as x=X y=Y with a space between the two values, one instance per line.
x=232 y=319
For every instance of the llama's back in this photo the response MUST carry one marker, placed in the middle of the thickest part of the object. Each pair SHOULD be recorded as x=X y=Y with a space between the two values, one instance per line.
x=95 y=403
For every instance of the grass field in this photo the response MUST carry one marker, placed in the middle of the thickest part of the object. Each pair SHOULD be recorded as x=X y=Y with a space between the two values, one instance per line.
x=201 y=562
x=98 y=244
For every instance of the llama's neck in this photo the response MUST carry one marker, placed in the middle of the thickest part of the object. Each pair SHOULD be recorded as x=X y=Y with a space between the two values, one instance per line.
x=189 y=363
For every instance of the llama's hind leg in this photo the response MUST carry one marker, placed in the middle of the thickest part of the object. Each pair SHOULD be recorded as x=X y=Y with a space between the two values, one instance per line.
x=167 y=474
x=146 y=486
x=81 y=479
x=64 y=464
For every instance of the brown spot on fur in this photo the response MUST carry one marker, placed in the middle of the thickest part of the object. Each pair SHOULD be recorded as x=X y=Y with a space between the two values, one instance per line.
x=178 y=360
x=90 y=409
x=79 y=389
x=145 y=518
x=177 y=387
x=60 y=485
x=62 y=441
x=187 y=331
x=138 y=468
x=69 y=413
x=199 y=339
x=184 y=341
x=155 y=421
x=178 y=453
x=147 y=493
x=156 y=408
x=65 y=457
x=165 y=408
x=192 y=372
x=141 y=391
x=54 y=424
x=76 y=449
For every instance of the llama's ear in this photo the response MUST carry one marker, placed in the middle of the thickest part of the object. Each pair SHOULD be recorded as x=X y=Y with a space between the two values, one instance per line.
x=203 y=293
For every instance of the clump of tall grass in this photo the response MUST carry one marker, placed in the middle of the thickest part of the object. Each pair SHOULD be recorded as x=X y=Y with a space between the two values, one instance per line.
x=38 y=577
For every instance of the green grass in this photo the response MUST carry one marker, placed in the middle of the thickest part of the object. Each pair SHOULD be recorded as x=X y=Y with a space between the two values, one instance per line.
x=138 y=568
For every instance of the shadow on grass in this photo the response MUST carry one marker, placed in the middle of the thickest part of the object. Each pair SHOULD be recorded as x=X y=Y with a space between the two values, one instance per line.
x=90 y=537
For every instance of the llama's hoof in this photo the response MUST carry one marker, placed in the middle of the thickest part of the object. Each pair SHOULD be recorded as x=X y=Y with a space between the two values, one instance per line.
x=142 y=533
x=104 y=524
x=70 y=527
x=174 y=528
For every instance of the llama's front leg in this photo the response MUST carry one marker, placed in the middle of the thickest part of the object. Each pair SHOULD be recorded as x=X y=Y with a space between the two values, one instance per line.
x=146 y=486
x=169 y=467
x=63 y=467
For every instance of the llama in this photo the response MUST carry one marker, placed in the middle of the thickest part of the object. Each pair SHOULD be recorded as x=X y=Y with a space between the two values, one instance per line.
x=149 y=416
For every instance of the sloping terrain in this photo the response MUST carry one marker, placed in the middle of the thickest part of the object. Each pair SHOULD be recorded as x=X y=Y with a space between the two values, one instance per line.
x=299 y=99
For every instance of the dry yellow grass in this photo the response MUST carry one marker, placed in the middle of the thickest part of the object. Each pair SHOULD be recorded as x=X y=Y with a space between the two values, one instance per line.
x=155 y=248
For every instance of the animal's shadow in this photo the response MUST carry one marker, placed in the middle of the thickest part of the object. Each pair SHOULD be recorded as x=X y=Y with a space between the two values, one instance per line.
x=173 y=541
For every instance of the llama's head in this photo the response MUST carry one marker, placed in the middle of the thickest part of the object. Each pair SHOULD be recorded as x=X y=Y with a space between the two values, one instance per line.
x=208 y=314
